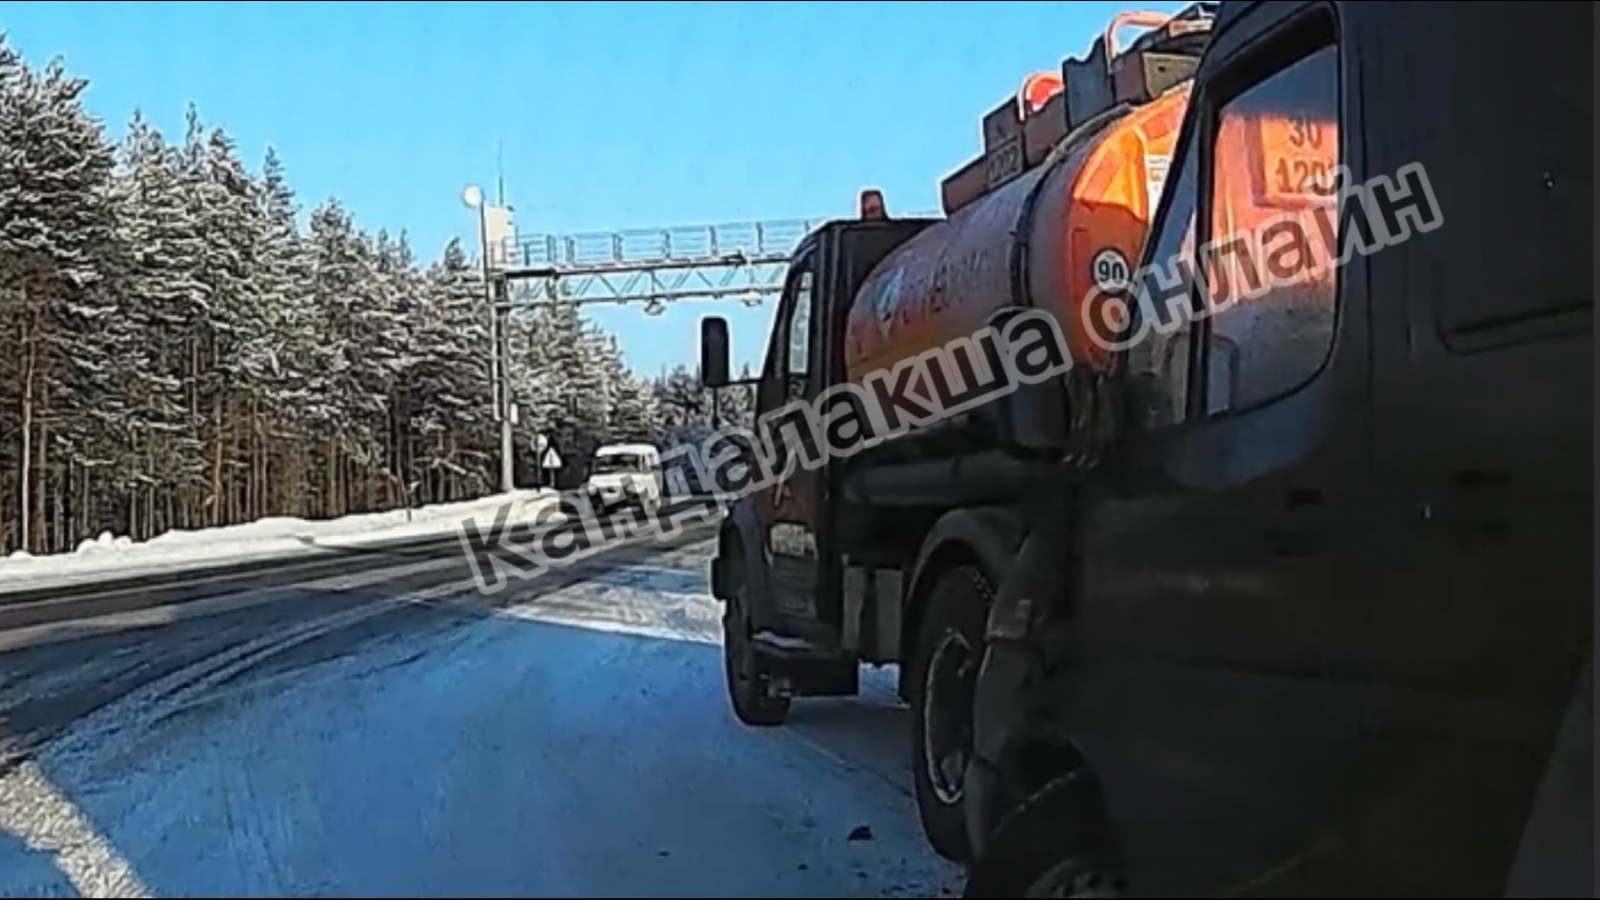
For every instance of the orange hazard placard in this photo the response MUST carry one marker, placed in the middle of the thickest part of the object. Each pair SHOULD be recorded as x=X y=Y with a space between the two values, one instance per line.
x=1297 y=158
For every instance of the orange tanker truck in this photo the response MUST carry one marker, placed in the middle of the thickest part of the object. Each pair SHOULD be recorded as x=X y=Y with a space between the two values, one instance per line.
x=1225 y=508
x=830 y=565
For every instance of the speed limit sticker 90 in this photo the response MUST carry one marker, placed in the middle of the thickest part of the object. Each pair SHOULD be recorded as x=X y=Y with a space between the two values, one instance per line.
x=1110 y=270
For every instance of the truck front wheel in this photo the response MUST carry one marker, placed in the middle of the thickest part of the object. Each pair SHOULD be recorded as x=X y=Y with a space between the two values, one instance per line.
x=944 y=674
x=746 y=672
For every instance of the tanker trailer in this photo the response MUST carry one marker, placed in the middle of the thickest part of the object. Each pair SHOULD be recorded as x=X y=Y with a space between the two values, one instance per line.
x=876 y=543
x=1043 y=239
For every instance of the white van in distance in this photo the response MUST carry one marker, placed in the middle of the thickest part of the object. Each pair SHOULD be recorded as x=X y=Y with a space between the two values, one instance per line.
x=625 y=473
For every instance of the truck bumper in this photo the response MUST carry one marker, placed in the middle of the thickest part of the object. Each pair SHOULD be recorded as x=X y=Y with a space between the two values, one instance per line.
x=805 y=669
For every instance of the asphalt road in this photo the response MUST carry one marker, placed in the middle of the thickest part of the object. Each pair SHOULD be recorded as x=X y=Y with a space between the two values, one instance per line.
x=384 y=728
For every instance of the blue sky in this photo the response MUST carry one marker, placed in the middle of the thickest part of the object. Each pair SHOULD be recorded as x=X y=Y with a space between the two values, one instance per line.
x=611 y=115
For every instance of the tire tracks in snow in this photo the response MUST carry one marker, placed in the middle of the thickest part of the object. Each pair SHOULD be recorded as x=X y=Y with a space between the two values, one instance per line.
x=35 y=811
x=130 y=720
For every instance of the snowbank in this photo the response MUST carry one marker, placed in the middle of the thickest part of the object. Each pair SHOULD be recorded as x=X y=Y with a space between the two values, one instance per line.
x=272 y=538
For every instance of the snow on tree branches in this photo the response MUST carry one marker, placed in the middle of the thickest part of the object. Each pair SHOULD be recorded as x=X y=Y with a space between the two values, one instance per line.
x=177 y=352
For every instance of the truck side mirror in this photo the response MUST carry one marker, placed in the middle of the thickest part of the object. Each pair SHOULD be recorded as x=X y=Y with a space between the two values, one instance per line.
x=714 y=352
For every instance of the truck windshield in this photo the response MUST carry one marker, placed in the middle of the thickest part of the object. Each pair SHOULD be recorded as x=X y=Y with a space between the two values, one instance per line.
x=613 y=463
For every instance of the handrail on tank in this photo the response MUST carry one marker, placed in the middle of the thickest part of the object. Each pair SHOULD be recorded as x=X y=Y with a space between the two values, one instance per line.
x=1037 y=89
x=1144 y=18
x=1049 y=106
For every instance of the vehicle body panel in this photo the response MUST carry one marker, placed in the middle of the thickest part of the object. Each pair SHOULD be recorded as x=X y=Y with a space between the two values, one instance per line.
x=1327 y=648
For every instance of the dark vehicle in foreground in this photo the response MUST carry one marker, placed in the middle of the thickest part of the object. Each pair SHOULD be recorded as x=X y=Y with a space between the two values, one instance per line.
x=1292 y=595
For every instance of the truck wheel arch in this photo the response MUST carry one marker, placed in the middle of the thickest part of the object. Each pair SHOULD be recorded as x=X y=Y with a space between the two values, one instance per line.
x=985 y=537
x=739 y=550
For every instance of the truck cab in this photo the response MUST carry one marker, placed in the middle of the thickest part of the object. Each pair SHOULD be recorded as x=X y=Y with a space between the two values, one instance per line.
x=785 y=632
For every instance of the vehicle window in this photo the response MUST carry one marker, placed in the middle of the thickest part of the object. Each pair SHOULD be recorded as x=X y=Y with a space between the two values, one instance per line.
x=614 y=463
x=799 y=358
x=1158 y=363
x=1271 y=291
x=793 y=314
x=777 y=345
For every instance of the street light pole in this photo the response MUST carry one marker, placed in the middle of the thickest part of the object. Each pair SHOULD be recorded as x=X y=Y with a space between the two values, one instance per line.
x=508 y=451
x=499 y=374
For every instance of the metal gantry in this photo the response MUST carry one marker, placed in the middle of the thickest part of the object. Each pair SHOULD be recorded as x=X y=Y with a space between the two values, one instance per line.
x=742 y=260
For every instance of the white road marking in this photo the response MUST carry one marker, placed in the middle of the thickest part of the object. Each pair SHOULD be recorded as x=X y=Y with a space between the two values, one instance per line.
x=36 y=813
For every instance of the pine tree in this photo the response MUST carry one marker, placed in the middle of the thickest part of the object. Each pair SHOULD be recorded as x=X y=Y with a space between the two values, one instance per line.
x=57 y=231
x=289 y=395
x=636 y=416
x=686 y=412
x=222 y=205
x=452 y=381
x=162 y=302
x=175 y=351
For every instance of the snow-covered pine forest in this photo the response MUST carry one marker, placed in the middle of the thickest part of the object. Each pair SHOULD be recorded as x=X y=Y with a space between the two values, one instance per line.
x=182 y=345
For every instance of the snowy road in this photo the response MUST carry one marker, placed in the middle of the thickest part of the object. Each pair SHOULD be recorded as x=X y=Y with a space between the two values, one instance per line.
x=334 y=741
